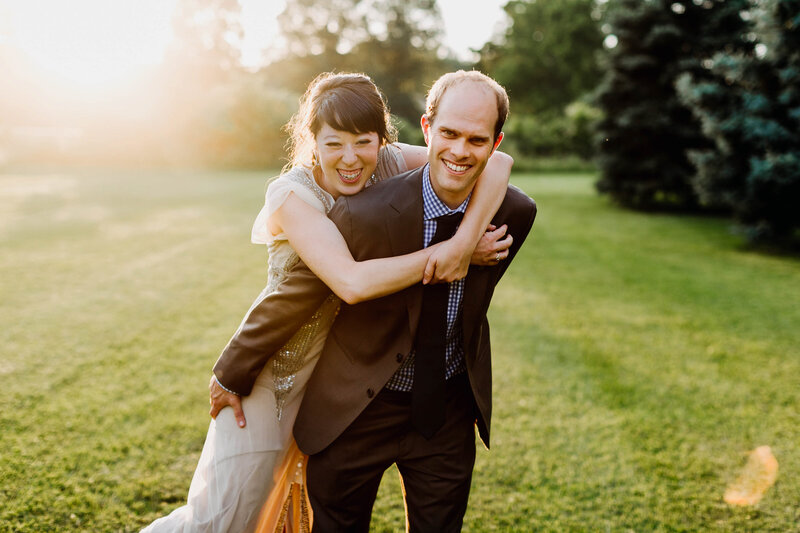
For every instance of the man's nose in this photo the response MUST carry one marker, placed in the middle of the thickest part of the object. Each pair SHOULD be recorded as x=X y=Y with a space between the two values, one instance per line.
x=459 y=148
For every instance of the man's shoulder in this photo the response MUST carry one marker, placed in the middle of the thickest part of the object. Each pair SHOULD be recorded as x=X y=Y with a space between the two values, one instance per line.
x=517 y=201
x=518 y=210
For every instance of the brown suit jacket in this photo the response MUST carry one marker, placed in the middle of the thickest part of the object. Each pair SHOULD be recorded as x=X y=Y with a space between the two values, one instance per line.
x=369 y=341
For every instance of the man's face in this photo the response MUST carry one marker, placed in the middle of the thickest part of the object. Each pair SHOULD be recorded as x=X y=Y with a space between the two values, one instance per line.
x=460 y=140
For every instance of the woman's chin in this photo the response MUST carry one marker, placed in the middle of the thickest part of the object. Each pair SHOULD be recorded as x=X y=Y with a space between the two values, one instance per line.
x=350 y=189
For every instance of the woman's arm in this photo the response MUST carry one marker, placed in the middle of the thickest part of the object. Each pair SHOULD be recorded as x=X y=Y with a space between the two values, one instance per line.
x=451 y=261
x=320 y=245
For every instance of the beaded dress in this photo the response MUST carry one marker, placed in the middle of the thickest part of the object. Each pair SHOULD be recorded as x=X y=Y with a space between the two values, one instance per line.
x=239 y=467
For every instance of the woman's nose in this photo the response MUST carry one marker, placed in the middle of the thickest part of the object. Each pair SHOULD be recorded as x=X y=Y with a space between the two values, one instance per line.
x=349 y=155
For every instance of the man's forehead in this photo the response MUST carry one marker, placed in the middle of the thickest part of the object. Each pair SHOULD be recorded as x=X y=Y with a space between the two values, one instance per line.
x=467 y=101
x=467 y=88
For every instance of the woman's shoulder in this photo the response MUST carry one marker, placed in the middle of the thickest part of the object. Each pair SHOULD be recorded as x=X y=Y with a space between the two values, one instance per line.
x=390 y=163
x=293 y=178
x=297 y=180
x=300 y=181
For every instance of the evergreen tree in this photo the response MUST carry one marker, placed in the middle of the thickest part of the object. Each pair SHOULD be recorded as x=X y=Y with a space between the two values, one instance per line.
x=752 y=112
x=647 y=130
x=774 y=179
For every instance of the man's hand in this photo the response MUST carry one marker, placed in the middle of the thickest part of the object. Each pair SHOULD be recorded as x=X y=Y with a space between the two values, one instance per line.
x=220 y=398
x=492 y=248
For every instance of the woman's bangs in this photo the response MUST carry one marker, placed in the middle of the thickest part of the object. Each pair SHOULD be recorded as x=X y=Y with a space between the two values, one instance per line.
x=350 y=113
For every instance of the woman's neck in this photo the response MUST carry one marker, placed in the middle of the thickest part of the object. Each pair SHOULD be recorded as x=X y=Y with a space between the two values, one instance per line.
x=319 y=179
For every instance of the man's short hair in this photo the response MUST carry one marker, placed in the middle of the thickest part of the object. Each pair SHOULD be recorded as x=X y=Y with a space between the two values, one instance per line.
x=454 y=78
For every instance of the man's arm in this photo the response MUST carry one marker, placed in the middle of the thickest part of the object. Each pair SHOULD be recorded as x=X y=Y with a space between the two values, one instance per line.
x=268 y=325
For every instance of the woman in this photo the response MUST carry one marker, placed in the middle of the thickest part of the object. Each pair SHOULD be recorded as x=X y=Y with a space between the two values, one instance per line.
x=341 y=141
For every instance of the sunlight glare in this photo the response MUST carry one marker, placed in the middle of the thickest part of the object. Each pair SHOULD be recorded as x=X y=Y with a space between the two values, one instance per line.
x=91 y=43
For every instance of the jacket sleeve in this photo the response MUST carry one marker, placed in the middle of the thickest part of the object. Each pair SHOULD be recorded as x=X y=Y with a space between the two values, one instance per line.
x=521 y=212
x=272 y=320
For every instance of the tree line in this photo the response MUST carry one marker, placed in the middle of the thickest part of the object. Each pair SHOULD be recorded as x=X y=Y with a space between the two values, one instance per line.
x=689 y=105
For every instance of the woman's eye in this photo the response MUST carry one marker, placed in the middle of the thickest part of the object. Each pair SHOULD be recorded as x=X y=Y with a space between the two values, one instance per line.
x=332 y=145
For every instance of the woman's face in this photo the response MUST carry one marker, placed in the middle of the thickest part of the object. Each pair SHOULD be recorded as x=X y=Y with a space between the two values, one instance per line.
x=347 y=160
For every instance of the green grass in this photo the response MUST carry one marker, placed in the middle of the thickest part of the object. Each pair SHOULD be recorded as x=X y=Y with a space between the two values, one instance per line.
x=636 y=358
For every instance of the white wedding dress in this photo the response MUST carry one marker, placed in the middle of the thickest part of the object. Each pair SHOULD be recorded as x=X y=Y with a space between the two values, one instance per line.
x=238 y=467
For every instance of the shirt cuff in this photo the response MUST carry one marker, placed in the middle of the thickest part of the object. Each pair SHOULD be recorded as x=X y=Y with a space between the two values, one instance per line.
x=226 y=389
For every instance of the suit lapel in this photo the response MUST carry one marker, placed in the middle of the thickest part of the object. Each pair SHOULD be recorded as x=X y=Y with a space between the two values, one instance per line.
x=404 y=228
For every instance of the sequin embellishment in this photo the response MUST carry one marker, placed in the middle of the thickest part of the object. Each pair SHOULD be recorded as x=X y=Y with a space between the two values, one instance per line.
x=291 y=357
x=289 y=360
x=304 y=178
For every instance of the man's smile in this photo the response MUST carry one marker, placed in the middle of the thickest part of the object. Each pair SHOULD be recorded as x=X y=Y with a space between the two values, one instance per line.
x=458 y=169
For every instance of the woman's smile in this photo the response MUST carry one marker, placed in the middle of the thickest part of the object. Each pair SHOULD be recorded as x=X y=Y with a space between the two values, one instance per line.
x=349 y=176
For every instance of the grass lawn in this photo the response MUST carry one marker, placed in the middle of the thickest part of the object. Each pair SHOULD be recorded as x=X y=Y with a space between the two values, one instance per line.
x=637 y=358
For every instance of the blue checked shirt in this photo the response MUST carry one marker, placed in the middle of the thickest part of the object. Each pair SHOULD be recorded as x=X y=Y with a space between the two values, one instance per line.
x=433 y=208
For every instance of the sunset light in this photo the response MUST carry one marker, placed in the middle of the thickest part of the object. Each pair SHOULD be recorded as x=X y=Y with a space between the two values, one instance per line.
x=89 y=43
x=164 y=81
x=167 y=231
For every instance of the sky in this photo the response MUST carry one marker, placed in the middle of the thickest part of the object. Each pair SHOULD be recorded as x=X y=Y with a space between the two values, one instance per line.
x=467 y=23
x=97 y=41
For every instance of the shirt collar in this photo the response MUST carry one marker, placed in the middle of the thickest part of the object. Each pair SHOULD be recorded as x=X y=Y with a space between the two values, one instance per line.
x=432 y=206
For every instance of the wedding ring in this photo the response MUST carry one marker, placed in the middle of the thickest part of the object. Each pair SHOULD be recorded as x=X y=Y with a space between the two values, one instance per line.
x=497 y=257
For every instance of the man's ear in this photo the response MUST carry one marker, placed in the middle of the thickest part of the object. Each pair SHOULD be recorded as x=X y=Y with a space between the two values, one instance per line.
x=498 y=141
x=425 y=127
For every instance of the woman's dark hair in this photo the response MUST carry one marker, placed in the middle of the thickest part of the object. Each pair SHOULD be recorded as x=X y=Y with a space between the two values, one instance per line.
x=347 y=102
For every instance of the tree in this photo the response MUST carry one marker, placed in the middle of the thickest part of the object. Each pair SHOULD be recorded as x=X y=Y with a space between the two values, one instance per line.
x=323 y=28
x=648 y=131
x=199 y=77
x=394 y=41
x=402 y=57
x=751 y=110
x=547 y=57
x=207 y=38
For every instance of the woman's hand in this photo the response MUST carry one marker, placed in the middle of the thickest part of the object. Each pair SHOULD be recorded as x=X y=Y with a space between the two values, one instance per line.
x=448 y=262
x=493 y=246
x=451 y=259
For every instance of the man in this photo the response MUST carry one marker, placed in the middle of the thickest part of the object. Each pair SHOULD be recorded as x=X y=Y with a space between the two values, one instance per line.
x=403 y=378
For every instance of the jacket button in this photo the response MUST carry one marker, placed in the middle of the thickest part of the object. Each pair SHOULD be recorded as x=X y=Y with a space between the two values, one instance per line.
x=370 y=393
x=399 y=358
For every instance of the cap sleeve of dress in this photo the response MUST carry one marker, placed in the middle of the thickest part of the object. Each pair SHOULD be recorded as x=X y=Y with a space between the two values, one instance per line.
x=297 y=181
x=390 y=163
